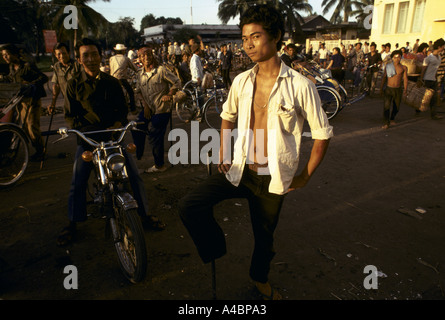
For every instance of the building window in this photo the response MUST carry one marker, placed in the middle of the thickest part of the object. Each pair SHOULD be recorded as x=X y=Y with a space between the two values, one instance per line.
x=387 y=21
x=418 y=16
x=403 y=15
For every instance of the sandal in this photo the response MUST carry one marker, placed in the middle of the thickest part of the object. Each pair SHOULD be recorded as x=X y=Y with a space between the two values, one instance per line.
x=153 y=223
x=274 y=294
x=66 y=236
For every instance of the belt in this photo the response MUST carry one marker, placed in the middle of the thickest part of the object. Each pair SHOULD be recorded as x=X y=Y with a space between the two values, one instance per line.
x=255 y=166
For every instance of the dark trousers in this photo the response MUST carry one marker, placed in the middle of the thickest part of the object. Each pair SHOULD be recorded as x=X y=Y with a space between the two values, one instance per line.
x=77 y=203
x=338 y=74
x=155 y=128
x=225 y=73
x=196 y=212
x=392 y=97
x=371 y=79
x=130 y=92
x=432 y=85
x=357 y=78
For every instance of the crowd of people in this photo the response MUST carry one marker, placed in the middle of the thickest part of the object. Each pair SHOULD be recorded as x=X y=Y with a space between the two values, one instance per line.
x=178 y=58
x=427 y=59
x=94 y=100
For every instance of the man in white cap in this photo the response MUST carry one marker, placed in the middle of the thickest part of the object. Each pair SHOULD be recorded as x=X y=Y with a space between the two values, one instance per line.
x=119 y=66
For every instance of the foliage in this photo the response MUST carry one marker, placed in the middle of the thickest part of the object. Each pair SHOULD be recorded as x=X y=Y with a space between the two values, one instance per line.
x=339 y=6
x=182 y=35
x=359 y=11
x=90 y=22
x=123 y=32
x=290 y=9
x=22 y=21
x=150 y=20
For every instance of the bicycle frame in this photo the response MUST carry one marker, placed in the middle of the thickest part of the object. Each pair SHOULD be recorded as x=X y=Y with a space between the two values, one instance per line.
x=195 y=94
x=16 y=140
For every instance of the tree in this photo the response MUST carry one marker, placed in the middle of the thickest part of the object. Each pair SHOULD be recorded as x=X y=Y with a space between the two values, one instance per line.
x=360 y=13
x=90 y=22
x=182 y=35
x=290 y=10
x=339 y=7
x=24 y=21
x=229 y=9
x=150 y=20
x=123 y=32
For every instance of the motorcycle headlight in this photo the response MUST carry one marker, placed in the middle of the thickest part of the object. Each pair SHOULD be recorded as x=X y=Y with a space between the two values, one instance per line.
x=115 y=162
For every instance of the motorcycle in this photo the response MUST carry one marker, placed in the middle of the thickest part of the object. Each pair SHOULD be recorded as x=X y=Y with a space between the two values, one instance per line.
x=112 y=199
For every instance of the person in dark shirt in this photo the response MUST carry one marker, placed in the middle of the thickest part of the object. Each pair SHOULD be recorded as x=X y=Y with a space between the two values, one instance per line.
x=290 y=55
x=184 y=69
x=27 y=73
x=226 y=65
x=336 y=65
x=374 y=58
x=95 y=101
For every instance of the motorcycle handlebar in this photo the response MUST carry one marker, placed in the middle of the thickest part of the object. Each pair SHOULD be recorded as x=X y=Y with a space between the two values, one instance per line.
x=65 y=131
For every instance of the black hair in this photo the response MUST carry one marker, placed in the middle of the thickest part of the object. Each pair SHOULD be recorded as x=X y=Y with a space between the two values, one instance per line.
x=422 y=46
x=87 y=42
x=60 y=45
x=438 y=43
x=268 y=17
x=292 y=46
x=12 y=49
x=399 y=52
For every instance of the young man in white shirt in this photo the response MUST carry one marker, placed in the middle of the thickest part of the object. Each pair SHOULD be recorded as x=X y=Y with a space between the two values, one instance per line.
x=323 y=55
x=196 y=68
x=268 y=104
x=119 y=66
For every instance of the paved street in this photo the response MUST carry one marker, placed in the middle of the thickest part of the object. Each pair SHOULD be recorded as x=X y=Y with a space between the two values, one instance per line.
x=358 y=210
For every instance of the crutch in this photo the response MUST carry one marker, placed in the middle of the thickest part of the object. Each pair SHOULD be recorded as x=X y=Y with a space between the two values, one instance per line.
x=47 y=137
x=209 y=173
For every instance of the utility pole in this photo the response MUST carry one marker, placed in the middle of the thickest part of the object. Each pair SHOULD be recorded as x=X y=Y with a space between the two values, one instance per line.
x=191 y=11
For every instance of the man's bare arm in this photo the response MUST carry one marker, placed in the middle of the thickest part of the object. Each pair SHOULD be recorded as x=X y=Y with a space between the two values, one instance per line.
x=405 y=79
x=318 y=152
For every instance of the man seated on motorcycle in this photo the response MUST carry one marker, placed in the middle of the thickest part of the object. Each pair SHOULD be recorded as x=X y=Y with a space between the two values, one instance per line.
x=95 y=101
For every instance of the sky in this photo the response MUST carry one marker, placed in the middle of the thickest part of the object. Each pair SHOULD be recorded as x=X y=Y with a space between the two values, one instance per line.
x=190 y=11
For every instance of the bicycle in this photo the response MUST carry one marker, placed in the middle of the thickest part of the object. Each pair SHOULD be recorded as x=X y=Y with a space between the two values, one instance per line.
x=110 y=195
x=333 y=95
x=191 y=108
x=14 y=142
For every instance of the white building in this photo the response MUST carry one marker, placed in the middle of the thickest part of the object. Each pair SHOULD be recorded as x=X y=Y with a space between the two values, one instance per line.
x=401 y=21
x=209 y=33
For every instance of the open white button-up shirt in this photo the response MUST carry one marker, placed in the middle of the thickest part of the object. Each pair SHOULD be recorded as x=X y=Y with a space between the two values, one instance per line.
x=293 y=100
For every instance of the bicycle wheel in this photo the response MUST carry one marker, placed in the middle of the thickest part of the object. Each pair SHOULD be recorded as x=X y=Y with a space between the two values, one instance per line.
x=329 y=101
x=212 y=111
x=14 y=154
x=129 y=243
x=185 y=109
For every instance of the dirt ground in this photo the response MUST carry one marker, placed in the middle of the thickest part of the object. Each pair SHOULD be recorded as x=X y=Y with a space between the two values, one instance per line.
x=346 y=218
